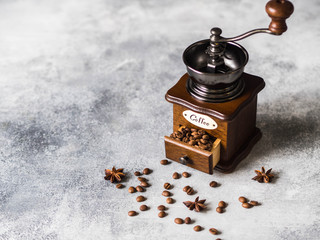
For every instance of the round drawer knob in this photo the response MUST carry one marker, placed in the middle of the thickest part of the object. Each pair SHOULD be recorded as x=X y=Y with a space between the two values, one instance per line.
x=184 y=160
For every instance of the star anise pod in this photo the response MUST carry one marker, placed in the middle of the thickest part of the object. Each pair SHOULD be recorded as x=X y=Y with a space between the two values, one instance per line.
x=198 y=205
x=263 y=176
x=114 y=174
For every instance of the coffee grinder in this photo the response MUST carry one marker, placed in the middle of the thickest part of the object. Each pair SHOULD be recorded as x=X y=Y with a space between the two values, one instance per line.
x=216 y=95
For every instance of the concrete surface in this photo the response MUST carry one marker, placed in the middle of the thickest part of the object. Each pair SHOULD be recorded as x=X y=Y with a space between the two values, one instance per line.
x=82 y=89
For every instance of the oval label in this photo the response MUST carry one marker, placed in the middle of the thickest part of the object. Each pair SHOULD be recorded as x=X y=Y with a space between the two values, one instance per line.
x=200 y=120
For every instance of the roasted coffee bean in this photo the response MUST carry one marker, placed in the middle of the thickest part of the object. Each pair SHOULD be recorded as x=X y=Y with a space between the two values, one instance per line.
x=203 y=147
x=219 y=210
x=197 y=228
x=197 y=136
x=194 y=133
x=254 y=203
x=137 y=173
x=143 y=208
x=185 y=139
x=185 y=174
x=142 y=179
x=187 y=129
x=161 y=214
x=185 y=189
x=205 y=137
x=167 y=186
x=246 y=205
x=132 y=213
x=201 y=132
x=146 y=171
x=222 y=204
x=119 y=185
x=203 y=141
x=140 y=198
x=192 y=142
x=178 y=220
x=213 y=184
x=193 y=130
x=190 y=191
x=166 y=193
x=187 y=220
x=131 y=189
x=144 y=184
x=169 y=200
x=139 y=189
x=243 y=200
x=213 y=231
x=164 y=162
x=161 y=208
x=175 y=175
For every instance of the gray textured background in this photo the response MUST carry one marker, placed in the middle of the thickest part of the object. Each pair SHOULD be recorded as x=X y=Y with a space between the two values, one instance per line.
x=82 y=89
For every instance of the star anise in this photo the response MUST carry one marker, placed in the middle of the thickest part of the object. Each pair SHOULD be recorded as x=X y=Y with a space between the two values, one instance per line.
x=198 y=205
x=114 y=174
x=263 y=176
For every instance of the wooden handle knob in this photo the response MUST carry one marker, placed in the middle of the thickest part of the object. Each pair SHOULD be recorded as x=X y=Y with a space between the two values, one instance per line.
x=279 y=11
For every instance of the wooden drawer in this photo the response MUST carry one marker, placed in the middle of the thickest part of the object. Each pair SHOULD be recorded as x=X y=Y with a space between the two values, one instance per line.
x=196 y=158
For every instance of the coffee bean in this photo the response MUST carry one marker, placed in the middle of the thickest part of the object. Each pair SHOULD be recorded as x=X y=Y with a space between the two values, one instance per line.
x=213 y=231
x=192 y=142
x=194 y=133
x=185 y=189
x=140 y=189
x=218 y=239
x=201 y=132
x=203 y=141
x=222 y=204
x=185 y=174
x=144 y=207
x=131 y=189
x=193 y=130
x=243 y=199
x=132 y=213
x=190 y=191
x=197 y=228
x=167 y=186
x=175 y=175
x=140 y=198
x=166 y=193
x=146 y=171
x=254 y=203
x=142 y=179
x=197 y=136
x=161 y=214
x=169 y=200
x=213 y=184
x=205 y=137
x=246 y=205
x=187 y=220
x=137 y=173
x=219 y=210
x=179 y=134
x=164 y=162
x=161 y=208
x=119 y=186
x=144 y=184
x=178 y=220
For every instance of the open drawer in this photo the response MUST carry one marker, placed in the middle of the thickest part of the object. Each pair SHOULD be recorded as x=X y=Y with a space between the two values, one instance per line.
x=186 y=154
